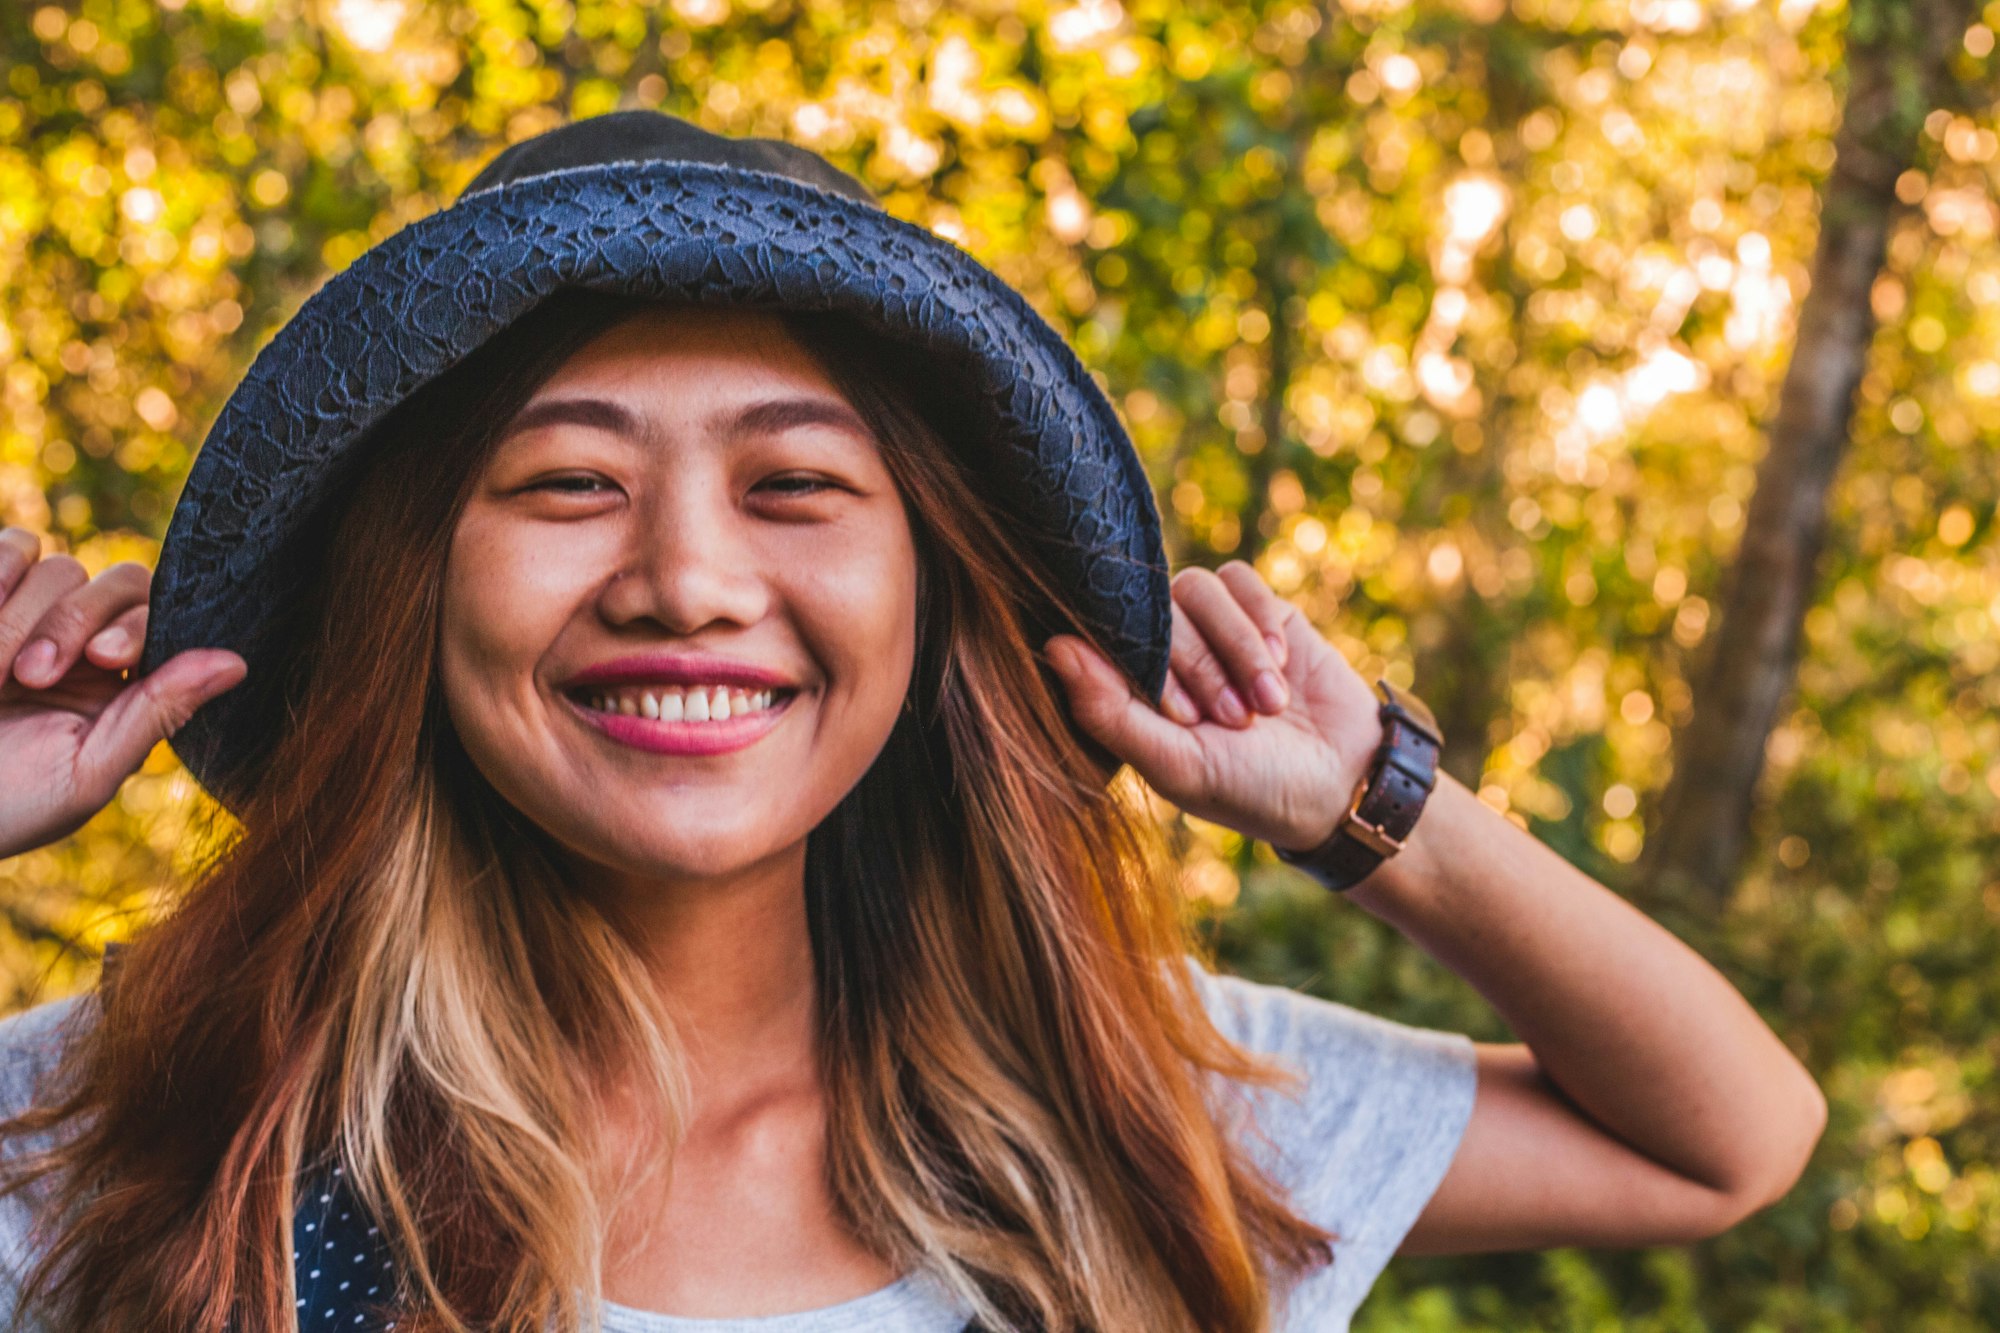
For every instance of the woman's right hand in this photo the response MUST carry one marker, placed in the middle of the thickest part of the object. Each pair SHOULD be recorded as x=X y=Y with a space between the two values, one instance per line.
x=73 y=724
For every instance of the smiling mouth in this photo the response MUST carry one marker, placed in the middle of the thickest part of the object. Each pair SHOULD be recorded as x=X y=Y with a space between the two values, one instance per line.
x=677 y=719
x=680 y=703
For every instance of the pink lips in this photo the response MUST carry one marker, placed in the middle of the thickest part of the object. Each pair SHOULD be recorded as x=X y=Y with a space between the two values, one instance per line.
x=687 y=668
x=678 y=669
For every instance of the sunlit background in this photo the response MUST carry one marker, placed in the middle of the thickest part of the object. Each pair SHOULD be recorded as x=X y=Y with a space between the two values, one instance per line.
x=1466 y=322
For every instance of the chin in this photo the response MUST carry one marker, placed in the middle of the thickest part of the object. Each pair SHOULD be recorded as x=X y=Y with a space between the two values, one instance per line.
x=645 y=855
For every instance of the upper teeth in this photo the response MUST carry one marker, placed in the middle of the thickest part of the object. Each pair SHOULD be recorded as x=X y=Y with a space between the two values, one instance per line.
x=675 y=703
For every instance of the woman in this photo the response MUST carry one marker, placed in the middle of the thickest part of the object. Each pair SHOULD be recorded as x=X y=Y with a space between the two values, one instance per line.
x=851 y=997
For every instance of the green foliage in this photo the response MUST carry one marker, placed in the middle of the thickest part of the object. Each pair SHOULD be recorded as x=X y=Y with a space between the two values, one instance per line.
x=1460 y=318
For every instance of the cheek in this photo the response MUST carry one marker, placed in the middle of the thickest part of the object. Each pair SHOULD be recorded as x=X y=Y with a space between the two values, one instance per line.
x=863 y=611
x=501 y=609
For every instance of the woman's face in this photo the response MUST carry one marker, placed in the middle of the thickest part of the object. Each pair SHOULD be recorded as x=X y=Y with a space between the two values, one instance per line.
x=688 y=516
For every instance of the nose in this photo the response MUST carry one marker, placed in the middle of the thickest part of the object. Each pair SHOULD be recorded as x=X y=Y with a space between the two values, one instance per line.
x=688 y=563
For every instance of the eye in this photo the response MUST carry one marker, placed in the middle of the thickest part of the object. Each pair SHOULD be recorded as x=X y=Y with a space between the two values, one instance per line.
x=799 y=483
x=568 y=485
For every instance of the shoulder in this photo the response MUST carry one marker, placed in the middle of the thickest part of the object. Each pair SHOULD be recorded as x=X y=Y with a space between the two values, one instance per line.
x=1297 y=1028
x=1367 y=1086
x=31 y=1042
x=1363 y=1141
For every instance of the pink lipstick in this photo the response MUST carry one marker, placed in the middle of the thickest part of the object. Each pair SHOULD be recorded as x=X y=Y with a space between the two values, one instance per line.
x=662 y=737
x=672 y=672
x=661 y=668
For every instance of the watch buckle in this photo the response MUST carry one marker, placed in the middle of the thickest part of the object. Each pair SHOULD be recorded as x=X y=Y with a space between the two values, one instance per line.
x=1375 y=839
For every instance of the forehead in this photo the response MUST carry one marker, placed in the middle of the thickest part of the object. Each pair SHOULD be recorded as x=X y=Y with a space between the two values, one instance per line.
x=722 y=373
x=707 y=348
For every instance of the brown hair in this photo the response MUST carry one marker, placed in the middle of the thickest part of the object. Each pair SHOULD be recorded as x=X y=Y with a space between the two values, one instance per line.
x=1022 y=1085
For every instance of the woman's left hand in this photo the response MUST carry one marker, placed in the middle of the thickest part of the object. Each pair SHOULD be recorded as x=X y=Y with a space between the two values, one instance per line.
x=1280 y=765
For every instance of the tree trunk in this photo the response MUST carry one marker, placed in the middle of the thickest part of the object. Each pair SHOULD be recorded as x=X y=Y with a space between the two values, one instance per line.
x=1700 y=837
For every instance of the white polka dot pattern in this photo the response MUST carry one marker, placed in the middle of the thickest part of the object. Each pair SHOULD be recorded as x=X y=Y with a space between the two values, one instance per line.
x=341 y=1266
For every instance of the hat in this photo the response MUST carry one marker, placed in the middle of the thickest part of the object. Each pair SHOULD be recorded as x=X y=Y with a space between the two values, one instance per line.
x=645 y=203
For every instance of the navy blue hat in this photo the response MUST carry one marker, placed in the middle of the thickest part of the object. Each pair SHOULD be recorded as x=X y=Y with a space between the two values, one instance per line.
x=643 y=203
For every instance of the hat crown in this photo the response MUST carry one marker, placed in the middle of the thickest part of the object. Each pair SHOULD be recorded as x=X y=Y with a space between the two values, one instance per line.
x=654 y=136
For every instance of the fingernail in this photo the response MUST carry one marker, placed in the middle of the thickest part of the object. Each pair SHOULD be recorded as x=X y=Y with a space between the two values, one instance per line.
x=1271 y=692
x=112 y=641
x=1277 y=648
x=35 y=659
x=1229 y=706
x=1181 y=708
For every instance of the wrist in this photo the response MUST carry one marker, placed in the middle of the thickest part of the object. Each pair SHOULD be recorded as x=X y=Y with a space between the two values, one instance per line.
x=1403 y=883
x=1336 y=798
x=1383 y=809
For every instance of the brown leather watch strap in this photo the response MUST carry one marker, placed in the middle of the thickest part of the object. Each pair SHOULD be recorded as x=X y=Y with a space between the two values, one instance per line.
x=1386 y=804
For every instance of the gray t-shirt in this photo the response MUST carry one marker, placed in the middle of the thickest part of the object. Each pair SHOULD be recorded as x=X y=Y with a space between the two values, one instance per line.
x=1361 y=1150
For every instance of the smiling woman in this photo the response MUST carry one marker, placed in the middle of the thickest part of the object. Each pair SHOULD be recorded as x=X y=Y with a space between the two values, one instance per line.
x=546 y=947
x=681 y=886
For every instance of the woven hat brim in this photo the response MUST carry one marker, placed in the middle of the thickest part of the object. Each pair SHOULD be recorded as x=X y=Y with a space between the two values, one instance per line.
x=419 y=302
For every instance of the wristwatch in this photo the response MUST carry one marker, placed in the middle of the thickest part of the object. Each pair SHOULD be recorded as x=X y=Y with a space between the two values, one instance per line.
x=1386 y=803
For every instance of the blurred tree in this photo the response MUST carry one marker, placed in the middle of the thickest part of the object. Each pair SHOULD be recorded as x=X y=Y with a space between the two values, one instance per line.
x=1900 y=63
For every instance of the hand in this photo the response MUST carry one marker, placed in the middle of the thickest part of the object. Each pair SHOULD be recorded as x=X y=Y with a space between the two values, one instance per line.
x=72 y=725
x=1283 y=772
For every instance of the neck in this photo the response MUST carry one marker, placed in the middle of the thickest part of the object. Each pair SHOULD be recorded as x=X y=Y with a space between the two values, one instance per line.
x=732 y=958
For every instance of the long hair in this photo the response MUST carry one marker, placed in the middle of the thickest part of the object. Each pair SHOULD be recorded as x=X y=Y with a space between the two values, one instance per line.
x=386 y=969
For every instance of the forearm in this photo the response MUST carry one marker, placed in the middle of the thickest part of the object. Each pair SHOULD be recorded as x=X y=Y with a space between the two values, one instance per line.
x=1635 y=1027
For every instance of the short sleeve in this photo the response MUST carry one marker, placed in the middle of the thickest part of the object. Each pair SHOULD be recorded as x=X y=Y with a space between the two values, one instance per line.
x=31 y=1043
x=1365 y=1142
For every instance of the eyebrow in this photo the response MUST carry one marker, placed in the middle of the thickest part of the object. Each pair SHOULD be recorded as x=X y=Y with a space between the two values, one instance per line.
x=768 y=416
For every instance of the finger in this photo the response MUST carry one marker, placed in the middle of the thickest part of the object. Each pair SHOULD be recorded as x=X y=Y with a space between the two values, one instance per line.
x=1165 y=752
x=1273 y=614
x=1202 y=674
x=1176 y=703
x=1233 y=638
x=152 y=709
x=47 y=582
x=19 y=548
x=75 y=617
x=119 y=644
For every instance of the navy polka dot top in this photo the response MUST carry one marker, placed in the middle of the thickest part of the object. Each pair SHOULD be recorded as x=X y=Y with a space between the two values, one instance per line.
x=341 y=1265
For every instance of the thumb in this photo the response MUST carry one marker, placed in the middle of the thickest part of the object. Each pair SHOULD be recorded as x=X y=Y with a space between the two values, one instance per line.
x=153 y=708
x=1106 y=708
